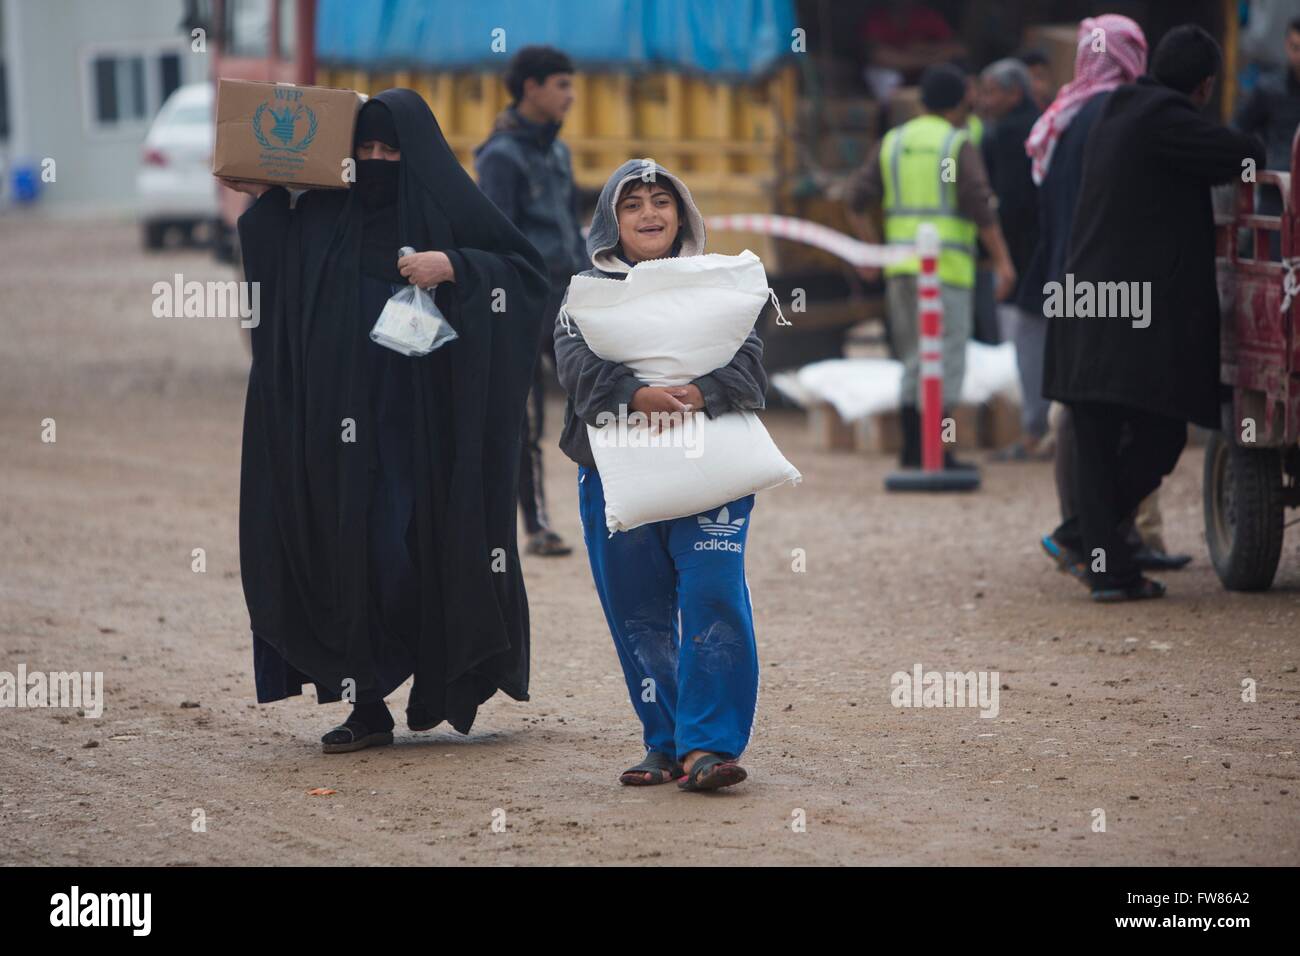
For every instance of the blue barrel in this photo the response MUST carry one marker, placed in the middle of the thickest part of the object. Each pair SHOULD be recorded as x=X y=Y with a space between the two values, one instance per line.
x=25 y=183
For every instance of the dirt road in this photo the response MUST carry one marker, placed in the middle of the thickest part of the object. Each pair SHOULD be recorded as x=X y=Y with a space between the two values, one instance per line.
x=1134 y=711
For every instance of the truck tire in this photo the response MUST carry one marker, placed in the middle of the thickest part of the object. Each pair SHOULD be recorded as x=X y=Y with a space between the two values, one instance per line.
x=1242 y=491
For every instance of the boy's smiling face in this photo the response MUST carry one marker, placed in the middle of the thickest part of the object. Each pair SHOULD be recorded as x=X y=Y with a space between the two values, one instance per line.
x=647 y=221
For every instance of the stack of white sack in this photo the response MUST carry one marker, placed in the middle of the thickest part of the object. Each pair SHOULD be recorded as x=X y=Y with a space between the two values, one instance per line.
x=671 y=321
x=859 y=387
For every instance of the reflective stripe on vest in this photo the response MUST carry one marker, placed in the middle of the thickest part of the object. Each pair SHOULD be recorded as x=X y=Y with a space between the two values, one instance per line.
x=912 y=166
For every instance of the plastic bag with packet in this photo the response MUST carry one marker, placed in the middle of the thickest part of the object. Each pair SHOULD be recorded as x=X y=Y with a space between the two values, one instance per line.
x=411 y=322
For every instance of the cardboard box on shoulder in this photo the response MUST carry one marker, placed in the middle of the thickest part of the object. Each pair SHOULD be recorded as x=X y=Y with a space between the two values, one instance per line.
x=285 y=135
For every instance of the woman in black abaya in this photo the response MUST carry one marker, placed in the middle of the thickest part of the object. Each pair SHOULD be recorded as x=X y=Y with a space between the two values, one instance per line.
x=377 y=492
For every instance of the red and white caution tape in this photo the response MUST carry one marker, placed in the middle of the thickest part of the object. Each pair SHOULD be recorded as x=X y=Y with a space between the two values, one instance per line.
x=851 y=250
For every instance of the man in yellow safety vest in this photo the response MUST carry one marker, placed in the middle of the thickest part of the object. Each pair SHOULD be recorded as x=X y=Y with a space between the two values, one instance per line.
x=927 y=170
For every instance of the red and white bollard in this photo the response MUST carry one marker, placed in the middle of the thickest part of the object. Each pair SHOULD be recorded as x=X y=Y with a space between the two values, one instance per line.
x=930 y=323
x=929 y=304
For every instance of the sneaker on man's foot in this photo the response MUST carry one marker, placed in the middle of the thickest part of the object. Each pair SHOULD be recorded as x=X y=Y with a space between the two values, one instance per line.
x=1067 y=560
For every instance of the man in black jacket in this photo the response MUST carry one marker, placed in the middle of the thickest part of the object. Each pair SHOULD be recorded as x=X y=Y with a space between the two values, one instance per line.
x=1133 y=336
x=525 y=169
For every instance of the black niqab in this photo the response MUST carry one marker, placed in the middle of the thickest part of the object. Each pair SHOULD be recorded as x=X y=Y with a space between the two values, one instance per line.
x=377 y=186
x=309 y=434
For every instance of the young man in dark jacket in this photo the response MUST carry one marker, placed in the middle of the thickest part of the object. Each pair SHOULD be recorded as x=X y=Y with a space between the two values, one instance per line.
x=1133 y=335
x=525 y=169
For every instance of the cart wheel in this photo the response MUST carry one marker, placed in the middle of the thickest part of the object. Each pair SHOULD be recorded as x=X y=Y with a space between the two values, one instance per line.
x=1243 y=512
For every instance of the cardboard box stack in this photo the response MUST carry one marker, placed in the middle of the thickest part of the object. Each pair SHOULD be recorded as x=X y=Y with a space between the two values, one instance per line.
x=993 y=425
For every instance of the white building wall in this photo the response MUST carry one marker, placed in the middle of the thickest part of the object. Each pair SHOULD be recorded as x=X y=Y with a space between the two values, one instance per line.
x=50 y=46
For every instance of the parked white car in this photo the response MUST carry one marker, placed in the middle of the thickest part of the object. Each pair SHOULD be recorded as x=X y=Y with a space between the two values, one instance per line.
x=175 y=184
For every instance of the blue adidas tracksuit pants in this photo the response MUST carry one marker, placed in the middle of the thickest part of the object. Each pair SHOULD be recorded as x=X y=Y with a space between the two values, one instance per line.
x=678 y=606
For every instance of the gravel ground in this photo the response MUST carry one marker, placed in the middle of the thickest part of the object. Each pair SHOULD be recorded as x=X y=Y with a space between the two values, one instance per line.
x=1130 y=711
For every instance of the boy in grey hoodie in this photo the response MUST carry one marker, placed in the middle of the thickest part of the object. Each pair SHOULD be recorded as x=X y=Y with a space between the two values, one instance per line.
x=677 y=605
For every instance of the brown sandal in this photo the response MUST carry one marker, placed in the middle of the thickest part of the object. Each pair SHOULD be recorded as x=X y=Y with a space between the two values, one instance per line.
x=711 y=772
x=651 y=771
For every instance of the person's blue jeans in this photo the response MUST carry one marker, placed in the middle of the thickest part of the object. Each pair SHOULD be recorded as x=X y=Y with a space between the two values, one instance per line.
x=678 y=607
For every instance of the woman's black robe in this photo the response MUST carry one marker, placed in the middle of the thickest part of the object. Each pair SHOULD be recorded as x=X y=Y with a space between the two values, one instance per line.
x=306 y=490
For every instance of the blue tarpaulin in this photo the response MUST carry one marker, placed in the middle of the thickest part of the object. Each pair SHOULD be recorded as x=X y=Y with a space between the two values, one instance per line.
x=737 y=37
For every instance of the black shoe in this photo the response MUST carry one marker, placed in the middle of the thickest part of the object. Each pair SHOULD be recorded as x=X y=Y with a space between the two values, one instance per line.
x=1142 y=590
x=367 y=726
x=1149 y=559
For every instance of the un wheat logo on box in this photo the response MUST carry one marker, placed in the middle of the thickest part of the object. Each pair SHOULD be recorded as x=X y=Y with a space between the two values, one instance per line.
x=284 y=127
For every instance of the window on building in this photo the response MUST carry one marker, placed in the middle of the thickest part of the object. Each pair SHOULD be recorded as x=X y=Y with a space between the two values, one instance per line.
x=169 y=75
x=127 y=86
x=119 y=88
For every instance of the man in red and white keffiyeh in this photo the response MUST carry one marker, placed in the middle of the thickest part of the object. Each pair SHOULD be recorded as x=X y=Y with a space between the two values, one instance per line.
x=1111 y=50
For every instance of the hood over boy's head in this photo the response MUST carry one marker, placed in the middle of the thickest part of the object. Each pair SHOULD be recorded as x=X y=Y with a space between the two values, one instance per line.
x=650 y=195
